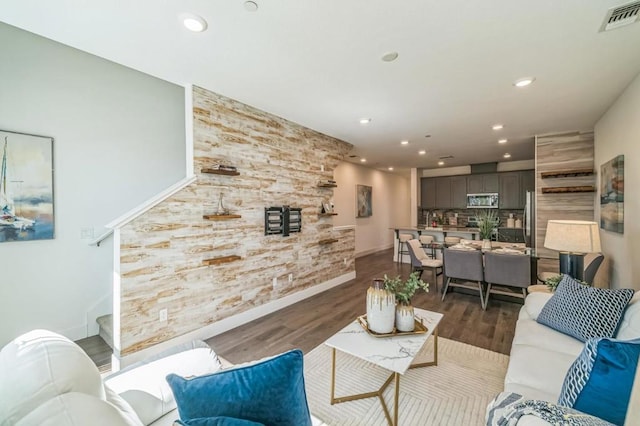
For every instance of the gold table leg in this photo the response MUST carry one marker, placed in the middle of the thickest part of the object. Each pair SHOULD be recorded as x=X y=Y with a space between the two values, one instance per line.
x=379 y=392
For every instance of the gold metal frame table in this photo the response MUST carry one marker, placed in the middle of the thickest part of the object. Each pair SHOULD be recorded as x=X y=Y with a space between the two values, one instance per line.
x=396 y=354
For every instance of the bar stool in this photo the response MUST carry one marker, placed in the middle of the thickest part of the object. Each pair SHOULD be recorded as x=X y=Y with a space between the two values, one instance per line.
x=425 y=241
x=402 y=240
x=452 y=240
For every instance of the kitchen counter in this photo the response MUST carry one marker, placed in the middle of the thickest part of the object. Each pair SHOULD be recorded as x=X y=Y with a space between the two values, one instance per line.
x=439 y=233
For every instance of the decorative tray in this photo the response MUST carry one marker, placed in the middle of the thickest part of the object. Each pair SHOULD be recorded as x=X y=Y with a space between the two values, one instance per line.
x=420 y=328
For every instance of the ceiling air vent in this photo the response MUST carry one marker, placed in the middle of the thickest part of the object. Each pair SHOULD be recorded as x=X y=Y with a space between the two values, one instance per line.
x=620 y=16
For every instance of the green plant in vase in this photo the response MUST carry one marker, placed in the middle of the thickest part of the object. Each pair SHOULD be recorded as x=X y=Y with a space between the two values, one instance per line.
x=486 y=223
x=404 y=292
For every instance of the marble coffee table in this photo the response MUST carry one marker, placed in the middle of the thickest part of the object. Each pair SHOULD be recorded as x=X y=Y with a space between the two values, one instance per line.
x=395 y=354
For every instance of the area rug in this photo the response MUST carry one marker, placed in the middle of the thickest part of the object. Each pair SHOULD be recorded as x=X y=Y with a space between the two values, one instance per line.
x=455 y=392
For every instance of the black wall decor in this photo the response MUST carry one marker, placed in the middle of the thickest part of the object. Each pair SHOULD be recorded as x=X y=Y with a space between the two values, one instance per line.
x=282 y=220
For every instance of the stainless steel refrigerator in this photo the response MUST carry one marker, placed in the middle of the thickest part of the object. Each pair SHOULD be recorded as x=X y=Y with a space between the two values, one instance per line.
x=529 y=219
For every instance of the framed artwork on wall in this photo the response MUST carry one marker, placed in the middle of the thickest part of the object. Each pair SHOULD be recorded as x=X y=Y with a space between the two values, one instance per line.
x=26 y=187
x=363 y=201
x=612 y=195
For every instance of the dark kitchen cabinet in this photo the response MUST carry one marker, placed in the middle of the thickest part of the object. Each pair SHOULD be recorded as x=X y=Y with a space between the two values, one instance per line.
x=428 y=193
x=511 y=235
x=443 y=192
x=459 y=192
x=482 y=183
x=510 y=191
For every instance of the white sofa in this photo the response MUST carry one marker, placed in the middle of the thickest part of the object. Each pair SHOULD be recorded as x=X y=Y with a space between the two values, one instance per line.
x=540 y=356
x=46 y=379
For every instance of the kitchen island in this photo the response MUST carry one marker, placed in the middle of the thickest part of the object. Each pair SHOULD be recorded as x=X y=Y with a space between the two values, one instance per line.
x=438 y=233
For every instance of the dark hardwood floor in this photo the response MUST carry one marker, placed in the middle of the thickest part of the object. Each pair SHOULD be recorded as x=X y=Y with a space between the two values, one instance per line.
x=310 y=322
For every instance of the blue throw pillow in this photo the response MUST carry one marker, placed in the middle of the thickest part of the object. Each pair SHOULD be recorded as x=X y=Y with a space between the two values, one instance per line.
x=585 y=312
x=270 y=392
x=218 y=421
x=600 y=380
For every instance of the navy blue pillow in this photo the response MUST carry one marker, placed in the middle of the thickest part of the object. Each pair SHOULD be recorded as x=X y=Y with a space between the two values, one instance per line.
x=600 y=380
x=270 y=392
x=585 y=312
x=218 y=421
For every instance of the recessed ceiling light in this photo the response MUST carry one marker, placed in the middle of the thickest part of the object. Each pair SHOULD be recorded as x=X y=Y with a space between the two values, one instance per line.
x=507 y=155
x=250 y=6
x=524 y=81
x=502 y=141
x=365 y=120
x=404 y=142
x=363 y=160
x=390 y=169
x=194 y=23
x=423 y=152
x=440 y=163
x=390 y=56
x=497 y=127
x=427 y=136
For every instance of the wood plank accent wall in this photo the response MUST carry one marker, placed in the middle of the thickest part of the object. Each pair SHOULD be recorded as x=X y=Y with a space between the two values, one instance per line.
x=555 y=153
x=162 y=252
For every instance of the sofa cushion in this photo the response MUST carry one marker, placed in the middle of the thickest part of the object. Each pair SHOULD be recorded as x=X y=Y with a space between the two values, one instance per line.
x=73 y=409
x=600 y=381
x=143 y=384
x=630 y=324
x=585 y=312
x=218 y=421
x=533 y=304
x=270 y=391
x=529 y=332
x=40 y=365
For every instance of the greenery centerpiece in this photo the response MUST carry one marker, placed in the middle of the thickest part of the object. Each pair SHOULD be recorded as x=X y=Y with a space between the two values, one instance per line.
x=404 y=291
x=486 y=223
x=552 y=282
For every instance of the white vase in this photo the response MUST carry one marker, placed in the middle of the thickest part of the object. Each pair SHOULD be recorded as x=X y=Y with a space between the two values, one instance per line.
x=381 y=308
x=486 y=244
x=405 y=317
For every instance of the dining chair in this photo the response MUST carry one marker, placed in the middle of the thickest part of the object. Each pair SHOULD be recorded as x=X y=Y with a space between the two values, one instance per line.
x=465 y=266
x=425 y=241
x=421 y=261
x=506 y=270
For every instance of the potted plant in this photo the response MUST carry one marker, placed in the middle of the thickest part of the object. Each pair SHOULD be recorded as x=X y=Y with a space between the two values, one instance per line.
x=404 y=291
x=552 y=282
x=486 y=224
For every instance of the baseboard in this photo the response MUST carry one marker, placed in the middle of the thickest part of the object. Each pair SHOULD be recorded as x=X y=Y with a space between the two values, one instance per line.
x=373 y=250
x=229 y=323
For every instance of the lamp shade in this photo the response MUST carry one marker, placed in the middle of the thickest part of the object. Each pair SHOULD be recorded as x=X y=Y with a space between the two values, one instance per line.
x=573 y=236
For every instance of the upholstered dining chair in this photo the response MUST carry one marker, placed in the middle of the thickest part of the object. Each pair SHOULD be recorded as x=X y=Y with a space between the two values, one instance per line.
x=506 y=270
x=465 y=266
x=421 y=261
x=425 y=241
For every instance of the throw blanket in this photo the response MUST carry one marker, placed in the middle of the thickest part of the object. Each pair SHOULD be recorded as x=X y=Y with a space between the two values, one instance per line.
x=507 y=408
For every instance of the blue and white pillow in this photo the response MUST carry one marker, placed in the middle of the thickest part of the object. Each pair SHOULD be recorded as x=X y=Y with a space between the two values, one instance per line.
x=600 y=380
x=585 y=312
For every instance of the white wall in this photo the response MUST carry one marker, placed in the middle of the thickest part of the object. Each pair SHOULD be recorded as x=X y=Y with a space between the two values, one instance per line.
x=618 y=132
x=391 y=205
x=119 y=139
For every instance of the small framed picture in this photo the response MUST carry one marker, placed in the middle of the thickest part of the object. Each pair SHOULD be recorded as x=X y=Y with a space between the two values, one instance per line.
x=327 y=208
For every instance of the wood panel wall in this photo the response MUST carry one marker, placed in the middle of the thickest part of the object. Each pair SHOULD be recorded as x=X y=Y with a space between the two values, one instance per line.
x=162 y=252
x=561 y=152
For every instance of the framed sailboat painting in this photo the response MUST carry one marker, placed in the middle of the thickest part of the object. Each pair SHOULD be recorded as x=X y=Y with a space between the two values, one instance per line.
x=26 y=187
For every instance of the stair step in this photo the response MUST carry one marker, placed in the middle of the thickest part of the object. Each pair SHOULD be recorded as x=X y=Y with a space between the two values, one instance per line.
x=106 y=328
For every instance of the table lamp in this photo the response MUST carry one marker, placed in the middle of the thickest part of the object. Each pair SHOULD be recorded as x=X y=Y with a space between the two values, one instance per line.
x=573 y=239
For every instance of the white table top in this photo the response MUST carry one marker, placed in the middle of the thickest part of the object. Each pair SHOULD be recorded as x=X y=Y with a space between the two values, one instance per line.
x=392 y=353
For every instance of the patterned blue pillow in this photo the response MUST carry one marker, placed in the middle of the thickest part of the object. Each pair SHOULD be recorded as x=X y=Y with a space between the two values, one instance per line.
x=600 y=380
x=585 y=312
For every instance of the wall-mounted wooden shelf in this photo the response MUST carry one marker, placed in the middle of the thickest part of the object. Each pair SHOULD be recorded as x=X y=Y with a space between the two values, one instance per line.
x=327 y=241
x=566 y=173
x=327 y=185
x=221 y=216
x=220 y=172
x=221 y=260
x=567 y=189
x=327 y=214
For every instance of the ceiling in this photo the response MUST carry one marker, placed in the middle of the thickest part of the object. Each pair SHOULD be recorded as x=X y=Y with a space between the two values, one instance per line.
x=318 y=63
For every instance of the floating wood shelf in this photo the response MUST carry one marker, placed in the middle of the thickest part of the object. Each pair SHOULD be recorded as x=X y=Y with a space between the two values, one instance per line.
x=327 y=185
x=567 y=189
x=327 y=241
x=221 y=216
x=567 y=173
x=221 y=260
x=327 y=214
x=220 y=172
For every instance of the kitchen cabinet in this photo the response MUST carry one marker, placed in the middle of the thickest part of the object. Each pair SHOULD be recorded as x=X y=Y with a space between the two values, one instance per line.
x=510 y=191
x=428 y=193
x=481 y=183
x=443 y=192
x=511 y=235
x=459 y=192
